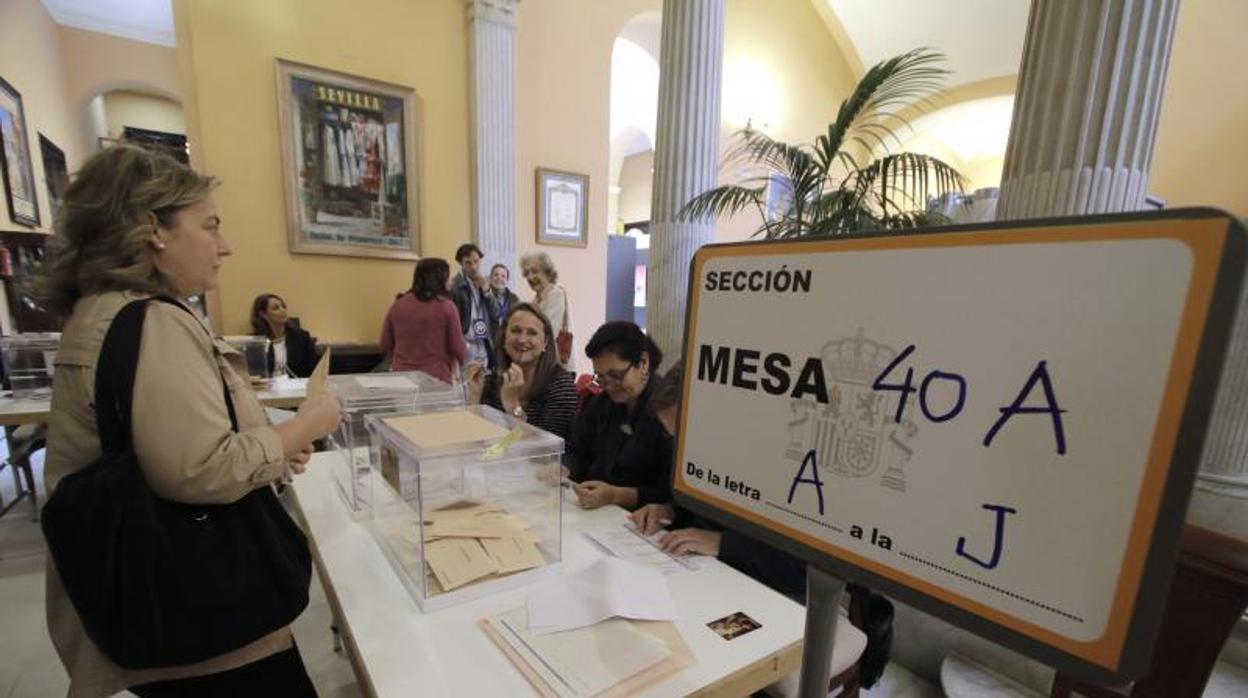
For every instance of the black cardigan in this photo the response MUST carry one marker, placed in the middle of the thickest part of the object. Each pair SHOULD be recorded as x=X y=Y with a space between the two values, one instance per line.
x=300 y=352
x=633 y=453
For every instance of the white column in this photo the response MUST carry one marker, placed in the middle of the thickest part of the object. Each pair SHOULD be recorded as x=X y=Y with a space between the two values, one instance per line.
x=686 y=159
x=1085 y=114
x=1085 y=120
x=492 y=72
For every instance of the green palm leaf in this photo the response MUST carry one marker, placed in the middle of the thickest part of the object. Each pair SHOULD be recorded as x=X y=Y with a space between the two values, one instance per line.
x=833 y=191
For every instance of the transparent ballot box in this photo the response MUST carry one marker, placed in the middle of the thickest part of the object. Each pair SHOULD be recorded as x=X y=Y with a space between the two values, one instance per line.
x=28 y=361
x=361 y=394
x=255 y=350
x=467 y=503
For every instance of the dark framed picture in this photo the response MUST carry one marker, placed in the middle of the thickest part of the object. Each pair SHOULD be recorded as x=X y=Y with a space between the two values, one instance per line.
x=562 y=208
x=19 y=175
x=55 y=174
x=349 y=163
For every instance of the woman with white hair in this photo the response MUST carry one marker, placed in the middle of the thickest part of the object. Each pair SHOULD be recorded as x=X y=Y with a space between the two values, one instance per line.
x=551 y=299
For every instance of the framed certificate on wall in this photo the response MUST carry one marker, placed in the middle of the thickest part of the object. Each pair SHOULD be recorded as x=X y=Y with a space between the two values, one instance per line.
x=562 y=208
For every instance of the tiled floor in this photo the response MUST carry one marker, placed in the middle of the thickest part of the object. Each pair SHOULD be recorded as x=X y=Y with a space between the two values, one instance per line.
x=29 y=667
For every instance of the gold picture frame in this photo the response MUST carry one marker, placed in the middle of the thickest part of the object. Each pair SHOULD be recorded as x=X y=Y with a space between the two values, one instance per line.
x=349 y=163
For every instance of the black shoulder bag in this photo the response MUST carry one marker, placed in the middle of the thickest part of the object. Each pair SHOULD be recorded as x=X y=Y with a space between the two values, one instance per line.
x=159 y=583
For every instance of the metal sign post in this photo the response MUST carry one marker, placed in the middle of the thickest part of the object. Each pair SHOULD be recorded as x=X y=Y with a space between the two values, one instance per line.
x=823 y=611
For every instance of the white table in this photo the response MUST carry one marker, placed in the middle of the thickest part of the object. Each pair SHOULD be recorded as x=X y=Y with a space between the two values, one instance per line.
x=279 y=392
x=399 y=651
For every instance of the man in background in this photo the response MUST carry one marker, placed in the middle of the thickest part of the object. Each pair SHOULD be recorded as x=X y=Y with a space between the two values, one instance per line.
x=477 y=316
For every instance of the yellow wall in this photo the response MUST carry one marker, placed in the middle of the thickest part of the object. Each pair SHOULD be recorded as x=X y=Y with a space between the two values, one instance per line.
x=563 y=98
x=226 y=49
x=30 y=61
x=808 y=74
x=123 y=108
x=1202 y=138
x=98 y=63
x=231 y=46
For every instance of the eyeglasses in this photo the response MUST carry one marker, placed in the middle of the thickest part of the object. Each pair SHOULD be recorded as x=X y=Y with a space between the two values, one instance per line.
x=614 y=377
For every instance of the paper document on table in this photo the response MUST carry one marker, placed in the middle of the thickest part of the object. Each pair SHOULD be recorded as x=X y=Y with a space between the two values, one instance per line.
x=584 y=662
x=628 y=543
x=384 y=382
x=444 y=428
x=457 y=561
x=607 y=588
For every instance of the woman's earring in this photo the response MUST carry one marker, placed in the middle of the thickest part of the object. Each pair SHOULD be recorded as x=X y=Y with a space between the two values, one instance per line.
x=160 y=245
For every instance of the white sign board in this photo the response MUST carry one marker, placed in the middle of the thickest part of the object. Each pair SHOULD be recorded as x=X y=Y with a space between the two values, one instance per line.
x=989 y=423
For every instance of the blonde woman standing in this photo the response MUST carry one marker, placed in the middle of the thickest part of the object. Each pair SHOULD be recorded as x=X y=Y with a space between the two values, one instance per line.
x=538 y=269
x=136 y=226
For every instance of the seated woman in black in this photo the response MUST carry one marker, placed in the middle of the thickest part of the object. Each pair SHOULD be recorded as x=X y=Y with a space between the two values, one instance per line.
x=531 y=385
x=688 y=535
x=619 y=453
x=292 y=350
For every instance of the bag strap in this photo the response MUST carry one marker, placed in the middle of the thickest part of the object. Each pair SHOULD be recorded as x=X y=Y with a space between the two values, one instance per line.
x=115 y=373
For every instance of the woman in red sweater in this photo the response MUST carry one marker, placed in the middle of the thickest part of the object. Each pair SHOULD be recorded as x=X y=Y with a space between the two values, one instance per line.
x=421 y=331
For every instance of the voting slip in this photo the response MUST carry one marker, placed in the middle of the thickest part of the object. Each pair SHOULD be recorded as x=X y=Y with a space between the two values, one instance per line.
x=458 y=561
x=495 y=525
x=583 y=662
x=435 y=429
x=513 y=553
x=320 y=374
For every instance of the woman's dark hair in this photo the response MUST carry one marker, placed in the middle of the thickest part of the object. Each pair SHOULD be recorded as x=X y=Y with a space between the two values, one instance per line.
x=548 y=365
x=429 y=278
x=667 y=390
x=625 y=340
x=260 y=306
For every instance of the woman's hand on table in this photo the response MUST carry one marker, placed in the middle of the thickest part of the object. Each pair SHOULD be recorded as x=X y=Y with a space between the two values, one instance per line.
x=652 y=518
x=594 y=493
x=692 y=541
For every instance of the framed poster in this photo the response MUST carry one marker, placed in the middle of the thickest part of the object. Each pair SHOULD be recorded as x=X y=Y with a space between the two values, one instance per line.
x=562 y=208
x=19 y=175
x=349 y=163
x=55 y=174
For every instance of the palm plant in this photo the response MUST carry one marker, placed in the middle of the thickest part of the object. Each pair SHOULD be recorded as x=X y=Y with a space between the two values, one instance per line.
x=829 y=192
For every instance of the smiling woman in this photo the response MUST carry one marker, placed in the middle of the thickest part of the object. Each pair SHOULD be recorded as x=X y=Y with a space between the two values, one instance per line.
x=529 y=385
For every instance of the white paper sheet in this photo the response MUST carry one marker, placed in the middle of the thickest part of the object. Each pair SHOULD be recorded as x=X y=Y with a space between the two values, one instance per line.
x=628 y=543
x=582 y=662
x=607 y=588
x=385 y=382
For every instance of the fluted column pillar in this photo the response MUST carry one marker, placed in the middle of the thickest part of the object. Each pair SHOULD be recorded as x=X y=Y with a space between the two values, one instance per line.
x=492 y=72
x=1085 y=114
x=686 y=158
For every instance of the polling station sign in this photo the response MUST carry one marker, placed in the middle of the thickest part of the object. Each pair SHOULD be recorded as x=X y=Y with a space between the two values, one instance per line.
x=999 y=424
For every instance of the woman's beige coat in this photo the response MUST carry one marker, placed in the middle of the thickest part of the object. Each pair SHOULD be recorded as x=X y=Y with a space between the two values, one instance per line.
x=184 y=443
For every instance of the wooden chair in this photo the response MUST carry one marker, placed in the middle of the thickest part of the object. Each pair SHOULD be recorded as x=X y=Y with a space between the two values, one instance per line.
x=1207 y=598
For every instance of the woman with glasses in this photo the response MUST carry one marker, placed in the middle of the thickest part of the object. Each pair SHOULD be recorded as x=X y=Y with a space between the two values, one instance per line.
x=530 y=384
x=619 y=453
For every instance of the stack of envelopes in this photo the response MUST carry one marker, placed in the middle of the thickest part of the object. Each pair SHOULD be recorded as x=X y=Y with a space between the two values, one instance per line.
x=468 y=541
